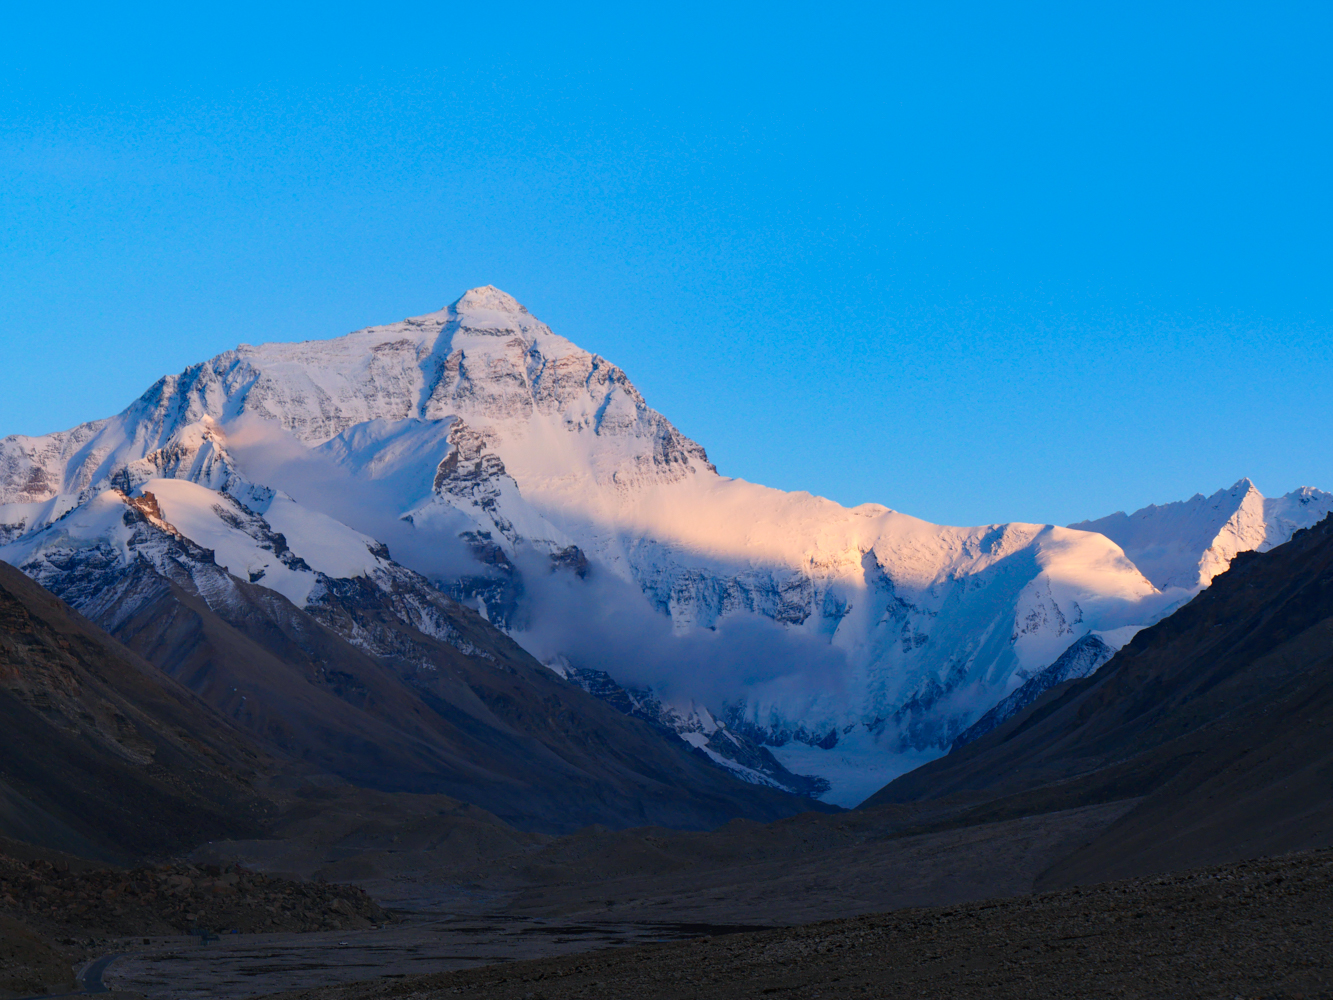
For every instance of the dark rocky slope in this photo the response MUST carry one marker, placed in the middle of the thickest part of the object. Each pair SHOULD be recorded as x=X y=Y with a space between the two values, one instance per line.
x=493 y=727
x=29 y=966
x=102 y=755
x=1220 y=717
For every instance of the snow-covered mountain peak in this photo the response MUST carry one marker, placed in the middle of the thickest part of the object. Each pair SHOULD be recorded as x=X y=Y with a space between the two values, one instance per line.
x=477 y=422
x=1187 y=544
x=530 y=477
x=1238 y=491
x=487 y=298
x=1305 y=495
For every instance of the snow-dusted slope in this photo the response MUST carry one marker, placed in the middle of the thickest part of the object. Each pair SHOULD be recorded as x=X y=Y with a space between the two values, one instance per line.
x=203 y=539
x=1080 y=660
x=1186 y=544
x=530 y=477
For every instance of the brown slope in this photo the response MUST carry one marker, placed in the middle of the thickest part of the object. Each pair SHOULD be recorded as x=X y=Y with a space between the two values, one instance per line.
x=493 y=727
x=1220 y=717
x=100 y=754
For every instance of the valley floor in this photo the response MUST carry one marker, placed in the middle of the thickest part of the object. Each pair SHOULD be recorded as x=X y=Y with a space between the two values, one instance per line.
x=600 y=889
x=1253 y=929
x=949 y=912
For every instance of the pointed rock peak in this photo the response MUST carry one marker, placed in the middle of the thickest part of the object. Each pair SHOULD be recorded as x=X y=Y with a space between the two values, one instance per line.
x=488 y=298
x=1244 y=485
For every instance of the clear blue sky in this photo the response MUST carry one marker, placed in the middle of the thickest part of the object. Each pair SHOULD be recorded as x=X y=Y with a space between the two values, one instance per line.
x=978 y=262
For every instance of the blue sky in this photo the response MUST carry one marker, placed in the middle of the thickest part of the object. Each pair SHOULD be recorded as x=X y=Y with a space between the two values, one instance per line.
x=977 y=262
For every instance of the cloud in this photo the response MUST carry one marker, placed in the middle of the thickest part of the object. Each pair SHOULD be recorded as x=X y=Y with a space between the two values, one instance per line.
x=268 y=454
x=606 y=623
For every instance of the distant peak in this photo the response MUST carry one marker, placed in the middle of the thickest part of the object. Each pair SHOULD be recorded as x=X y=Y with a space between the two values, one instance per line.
x=488 y=298
x=1243 y=485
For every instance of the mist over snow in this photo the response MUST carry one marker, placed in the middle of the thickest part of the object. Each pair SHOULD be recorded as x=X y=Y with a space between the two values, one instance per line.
x=267 y=453
x=601 y=622
x=606 y=623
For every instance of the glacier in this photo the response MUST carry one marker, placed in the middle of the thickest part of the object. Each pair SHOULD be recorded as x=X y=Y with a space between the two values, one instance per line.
x=794 y=639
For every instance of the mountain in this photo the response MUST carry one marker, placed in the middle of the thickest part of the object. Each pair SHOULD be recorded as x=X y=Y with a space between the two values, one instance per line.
x=1188 y=543
x=1216 y=719
x=378 y=679
x=100 y=754
x=793 y=641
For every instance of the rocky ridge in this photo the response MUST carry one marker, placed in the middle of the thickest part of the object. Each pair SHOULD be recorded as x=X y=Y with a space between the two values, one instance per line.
x=380 y=680
x=1215 y=719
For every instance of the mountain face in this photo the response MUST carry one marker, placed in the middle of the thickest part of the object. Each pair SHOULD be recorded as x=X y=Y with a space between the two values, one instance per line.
x=796 y=642
x=1216 y=718
x=99 y=753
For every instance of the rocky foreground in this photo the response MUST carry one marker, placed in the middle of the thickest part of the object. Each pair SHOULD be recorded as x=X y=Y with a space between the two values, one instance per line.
x=1254 y=929
x=54 y=900
x=55 y=915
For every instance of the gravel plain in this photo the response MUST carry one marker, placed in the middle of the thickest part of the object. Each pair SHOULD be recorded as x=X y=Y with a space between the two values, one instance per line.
x=1257 y=929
